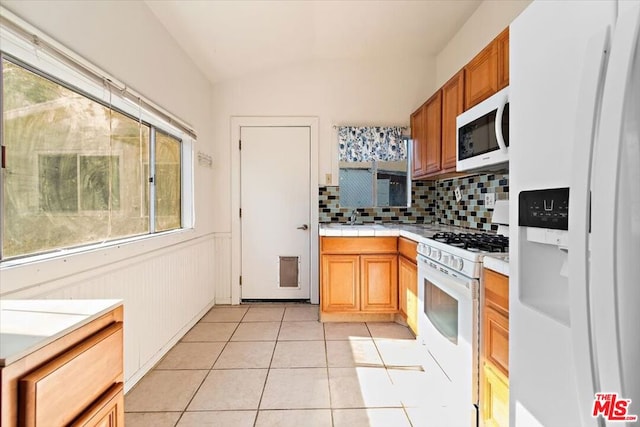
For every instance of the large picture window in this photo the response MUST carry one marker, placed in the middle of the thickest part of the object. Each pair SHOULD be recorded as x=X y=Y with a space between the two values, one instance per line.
x=78 y=171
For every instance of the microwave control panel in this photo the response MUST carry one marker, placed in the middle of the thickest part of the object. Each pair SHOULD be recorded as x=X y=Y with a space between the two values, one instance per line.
x=547 y=208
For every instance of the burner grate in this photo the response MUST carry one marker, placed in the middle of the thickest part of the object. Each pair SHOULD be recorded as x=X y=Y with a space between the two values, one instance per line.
x=476 y=242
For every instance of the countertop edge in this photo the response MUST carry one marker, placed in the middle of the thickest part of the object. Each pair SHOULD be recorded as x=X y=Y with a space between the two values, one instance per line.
x=112 y=304
x=496 y=264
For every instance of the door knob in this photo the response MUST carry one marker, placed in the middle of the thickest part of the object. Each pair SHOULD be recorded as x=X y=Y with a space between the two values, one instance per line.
x=303 y=227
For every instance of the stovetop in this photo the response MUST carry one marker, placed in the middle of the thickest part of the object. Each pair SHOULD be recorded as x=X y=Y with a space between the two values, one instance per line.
x=474 y=242
x=462 y=253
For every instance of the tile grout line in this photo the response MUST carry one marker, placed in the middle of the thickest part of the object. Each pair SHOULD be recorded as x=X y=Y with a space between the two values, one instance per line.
x=386 y=369
x=212 y=365
x=266 y=377
x=326 y=358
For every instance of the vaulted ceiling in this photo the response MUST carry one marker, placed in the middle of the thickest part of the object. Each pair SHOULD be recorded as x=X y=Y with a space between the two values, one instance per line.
x=229 y=39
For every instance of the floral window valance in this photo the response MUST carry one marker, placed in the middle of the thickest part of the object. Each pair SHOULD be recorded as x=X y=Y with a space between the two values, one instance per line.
x=371 y=143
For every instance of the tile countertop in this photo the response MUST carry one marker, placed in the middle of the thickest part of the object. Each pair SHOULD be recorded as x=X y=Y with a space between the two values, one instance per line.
x=499 y=265
x=418 y=233
x=28 y=325
x=414 y=232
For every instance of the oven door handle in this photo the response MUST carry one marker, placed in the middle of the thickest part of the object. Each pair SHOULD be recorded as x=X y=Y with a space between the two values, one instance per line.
x=456 y=287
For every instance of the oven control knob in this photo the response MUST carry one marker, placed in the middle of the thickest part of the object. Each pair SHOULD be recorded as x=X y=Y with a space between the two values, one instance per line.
x=426 y=250
x=457 y=263
x=446 y=258
x=435 y=254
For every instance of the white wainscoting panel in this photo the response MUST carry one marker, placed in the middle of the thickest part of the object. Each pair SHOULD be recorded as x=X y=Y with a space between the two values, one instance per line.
x=164 y=296
x=223 y=282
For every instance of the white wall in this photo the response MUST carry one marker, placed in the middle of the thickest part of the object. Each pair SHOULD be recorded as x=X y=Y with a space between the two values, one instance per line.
x=166 y=282
x=491 y=17
x=337 y=92
x=347 y=92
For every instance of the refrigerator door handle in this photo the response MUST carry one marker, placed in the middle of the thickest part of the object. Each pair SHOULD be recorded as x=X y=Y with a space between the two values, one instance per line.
x=615 y=236
x=587 y=118
x=498 y=122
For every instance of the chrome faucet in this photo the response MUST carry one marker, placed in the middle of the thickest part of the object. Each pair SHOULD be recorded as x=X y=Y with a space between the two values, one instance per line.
x=352 y=218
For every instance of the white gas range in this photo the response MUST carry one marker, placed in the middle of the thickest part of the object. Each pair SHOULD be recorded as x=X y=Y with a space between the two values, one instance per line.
x=449 y=270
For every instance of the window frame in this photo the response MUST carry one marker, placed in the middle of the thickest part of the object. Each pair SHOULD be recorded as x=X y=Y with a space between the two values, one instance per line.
x=23 y=54
x=374 y=186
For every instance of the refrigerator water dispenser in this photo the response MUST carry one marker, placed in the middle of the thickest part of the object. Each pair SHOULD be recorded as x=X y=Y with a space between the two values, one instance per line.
x=543 y=219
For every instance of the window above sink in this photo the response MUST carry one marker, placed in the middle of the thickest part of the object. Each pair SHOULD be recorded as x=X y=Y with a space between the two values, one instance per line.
x=374 y=165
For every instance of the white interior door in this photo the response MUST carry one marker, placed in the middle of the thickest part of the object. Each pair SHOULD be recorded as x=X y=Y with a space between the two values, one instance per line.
x=275 y=205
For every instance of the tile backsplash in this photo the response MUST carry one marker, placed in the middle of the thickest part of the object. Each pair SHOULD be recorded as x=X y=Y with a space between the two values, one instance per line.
x=470 y=211
x=422 y=210
x=432 y=201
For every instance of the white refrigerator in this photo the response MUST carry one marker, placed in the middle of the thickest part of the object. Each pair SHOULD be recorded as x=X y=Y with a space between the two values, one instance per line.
x=575 y=294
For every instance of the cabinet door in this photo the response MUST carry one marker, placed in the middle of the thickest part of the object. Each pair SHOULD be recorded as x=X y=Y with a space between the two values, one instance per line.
x=494 y=408
x=408 y=295
x=379 y=283
x=452 y=107
x=481 y=76
x=496 y=340
x=107 y=412
x=340 y=283
x=418 y=122
x=433 y=110
x=502 y=42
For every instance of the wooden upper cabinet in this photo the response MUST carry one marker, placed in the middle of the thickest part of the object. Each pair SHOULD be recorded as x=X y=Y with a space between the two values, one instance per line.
x=433 y=125
x=481 y=76
x=452 y=107
x=433 y=133
x=502 y=42
x=418 y=121
x=488 y=72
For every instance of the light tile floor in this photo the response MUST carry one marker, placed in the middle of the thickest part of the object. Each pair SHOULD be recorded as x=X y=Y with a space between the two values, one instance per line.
x=276 y=365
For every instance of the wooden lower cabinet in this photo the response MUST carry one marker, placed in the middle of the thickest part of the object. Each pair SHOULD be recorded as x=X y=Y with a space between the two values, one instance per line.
x=379 y=283
x=340 y=283
x=107 y=412
x=495 y=402
x=496 y=340
x=75 y=380
x=359 y=275
x=494 y=371
x=408 y=292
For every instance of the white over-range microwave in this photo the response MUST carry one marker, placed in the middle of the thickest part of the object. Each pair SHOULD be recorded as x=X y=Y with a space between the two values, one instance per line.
x=482 y=139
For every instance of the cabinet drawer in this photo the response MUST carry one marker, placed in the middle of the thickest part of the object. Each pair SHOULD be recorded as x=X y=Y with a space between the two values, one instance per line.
x=94 y=366
x=108 y=411
x=359 y=245
x=408 y=248
x=496 y=290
